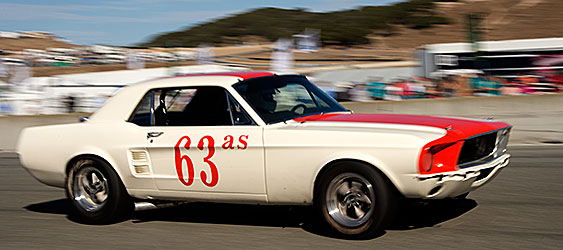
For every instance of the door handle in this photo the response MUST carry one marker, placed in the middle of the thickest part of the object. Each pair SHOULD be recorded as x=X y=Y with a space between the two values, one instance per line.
x=154 y=134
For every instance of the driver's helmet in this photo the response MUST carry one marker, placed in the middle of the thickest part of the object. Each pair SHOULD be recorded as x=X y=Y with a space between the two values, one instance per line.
x=261 y=98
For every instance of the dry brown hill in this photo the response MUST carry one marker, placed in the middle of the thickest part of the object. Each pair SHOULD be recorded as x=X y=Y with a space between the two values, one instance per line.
x=17 y=44
x=504 y=19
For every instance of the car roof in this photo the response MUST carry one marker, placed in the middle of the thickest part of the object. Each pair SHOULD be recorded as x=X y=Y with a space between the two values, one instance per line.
x=218 y=79
x=123 y=103
x=240 y=74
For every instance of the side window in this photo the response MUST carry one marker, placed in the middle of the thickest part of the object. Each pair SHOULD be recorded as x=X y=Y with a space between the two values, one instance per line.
x=197 y=106
x=142 y=115
x=177 y=99
x=239 y=116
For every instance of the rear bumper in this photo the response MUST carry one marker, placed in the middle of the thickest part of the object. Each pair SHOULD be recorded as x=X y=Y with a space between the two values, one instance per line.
x=452 y=184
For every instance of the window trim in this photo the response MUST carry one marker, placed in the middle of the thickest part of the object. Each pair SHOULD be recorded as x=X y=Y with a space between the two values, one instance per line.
x=151 y=109
x=229 y=107
x=228 y=95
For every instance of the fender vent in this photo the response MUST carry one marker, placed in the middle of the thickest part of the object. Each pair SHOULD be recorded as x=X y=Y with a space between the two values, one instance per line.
x=141 y=169
x=140 y=163
x=139 y=156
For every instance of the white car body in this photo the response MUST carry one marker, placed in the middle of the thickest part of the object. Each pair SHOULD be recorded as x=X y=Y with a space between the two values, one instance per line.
x=276 y=163
x=280 y=165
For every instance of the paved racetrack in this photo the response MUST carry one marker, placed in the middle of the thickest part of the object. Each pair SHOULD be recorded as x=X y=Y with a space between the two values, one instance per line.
x=521 y=209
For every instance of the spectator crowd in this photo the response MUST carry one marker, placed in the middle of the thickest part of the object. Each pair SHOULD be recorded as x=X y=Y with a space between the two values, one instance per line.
x=458 y=85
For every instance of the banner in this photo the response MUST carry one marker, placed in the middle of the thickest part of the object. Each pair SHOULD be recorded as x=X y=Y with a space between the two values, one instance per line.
x=282 y=56
x=135 y=60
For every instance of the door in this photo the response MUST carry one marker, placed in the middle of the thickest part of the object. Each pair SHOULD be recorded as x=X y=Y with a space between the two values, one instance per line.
x=200 y=140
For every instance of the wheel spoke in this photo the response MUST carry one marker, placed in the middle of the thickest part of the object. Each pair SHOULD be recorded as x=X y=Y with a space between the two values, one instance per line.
x=101 y=196
x=343 y=189
x=359 y=212
x=365 y=199
x=85 y=183
x=342 y=208
x=95 y=180
x=356 y=186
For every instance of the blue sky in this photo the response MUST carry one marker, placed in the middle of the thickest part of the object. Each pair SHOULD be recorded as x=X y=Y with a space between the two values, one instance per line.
x=128 y=22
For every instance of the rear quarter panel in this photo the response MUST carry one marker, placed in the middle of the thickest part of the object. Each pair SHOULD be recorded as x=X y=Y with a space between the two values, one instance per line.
x=46 y=151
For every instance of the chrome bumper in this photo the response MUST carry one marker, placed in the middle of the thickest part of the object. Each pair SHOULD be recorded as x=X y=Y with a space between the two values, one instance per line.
x=452 y=184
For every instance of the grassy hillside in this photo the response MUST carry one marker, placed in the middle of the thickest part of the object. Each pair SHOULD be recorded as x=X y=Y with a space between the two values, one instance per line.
x=350 y=27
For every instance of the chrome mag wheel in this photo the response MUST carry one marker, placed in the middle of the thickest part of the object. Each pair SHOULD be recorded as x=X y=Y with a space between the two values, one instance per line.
x=90 y=189
x=350 y=200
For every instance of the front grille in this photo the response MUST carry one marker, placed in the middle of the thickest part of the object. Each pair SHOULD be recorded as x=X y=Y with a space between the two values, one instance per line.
x=483 y=148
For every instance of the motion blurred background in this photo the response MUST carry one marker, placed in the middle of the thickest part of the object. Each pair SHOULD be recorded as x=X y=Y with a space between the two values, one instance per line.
x=57 y=57
x=501 y=59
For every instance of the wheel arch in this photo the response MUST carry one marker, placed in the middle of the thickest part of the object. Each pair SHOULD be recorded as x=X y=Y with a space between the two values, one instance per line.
x=334 y=163
x=77 y=157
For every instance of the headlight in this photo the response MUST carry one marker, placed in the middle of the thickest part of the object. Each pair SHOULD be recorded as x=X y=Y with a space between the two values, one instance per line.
x=427 y=160
x=439 y=155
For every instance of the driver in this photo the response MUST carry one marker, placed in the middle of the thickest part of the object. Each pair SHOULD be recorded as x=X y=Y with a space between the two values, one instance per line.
x=262 y=99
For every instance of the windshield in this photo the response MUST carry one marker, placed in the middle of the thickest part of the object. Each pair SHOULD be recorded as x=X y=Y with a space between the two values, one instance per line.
x=281 y=98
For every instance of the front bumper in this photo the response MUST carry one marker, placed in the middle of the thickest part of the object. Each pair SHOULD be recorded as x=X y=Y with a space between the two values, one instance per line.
x=452 y=184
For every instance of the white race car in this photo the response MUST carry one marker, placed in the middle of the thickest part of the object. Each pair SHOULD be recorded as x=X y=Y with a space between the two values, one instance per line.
x=259 y=138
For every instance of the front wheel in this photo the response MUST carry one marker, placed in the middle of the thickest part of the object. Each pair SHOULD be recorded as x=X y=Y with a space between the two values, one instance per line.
x=96 y=192
x=355 y=200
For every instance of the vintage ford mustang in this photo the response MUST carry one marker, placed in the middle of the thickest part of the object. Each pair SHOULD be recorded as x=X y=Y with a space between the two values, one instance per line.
x=259 y=138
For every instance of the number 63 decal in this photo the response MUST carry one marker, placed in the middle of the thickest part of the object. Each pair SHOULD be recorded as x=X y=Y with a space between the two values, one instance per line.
x=179 y=158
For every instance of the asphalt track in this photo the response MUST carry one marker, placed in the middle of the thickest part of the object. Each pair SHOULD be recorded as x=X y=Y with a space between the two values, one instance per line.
x=521 y=209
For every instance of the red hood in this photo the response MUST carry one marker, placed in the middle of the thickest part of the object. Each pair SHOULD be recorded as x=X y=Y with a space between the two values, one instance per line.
x=460 y=127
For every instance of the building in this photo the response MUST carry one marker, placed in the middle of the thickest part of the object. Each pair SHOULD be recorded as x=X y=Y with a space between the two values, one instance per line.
x=506 y=58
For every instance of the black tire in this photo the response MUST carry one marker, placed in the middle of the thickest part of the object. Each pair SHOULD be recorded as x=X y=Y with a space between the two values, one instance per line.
x=362 y=201
x=462 y=196
x=96 y=192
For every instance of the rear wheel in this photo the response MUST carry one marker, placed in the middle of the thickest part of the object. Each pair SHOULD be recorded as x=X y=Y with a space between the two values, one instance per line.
x=355 y=200
x=96 y=192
